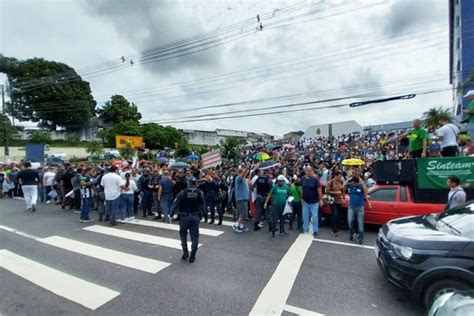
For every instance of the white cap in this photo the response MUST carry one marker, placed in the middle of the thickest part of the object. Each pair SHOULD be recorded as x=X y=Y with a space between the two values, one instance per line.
x=470 y=93
x=281 y=178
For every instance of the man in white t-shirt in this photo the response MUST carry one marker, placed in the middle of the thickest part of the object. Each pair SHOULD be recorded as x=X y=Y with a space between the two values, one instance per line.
x=48 y=182
x=448 y=134
x=113 y=185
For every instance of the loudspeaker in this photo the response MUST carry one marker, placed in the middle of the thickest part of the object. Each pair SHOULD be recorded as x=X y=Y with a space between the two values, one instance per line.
x=395 y=171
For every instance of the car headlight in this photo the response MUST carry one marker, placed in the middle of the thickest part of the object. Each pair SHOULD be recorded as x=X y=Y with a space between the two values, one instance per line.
x=402 y=251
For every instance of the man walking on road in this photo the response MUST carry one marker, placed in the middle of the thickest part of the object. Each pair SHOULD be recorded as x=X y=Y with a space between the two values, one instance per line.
x=312 y=200
x=242 y=195
x=190 y=205
x=357 y=195
x=112 y=184
x=29 y=180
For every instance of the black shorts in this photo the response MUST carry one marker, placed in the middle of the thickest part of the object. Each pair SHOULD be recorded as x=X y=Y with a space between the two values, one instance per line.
x=416 y=153
x=450 y=151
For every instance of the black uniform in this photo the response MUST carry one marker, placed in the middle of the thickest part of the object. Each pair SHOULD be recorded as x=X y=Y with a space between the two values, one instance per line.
x=212 y=200
x=189 y=203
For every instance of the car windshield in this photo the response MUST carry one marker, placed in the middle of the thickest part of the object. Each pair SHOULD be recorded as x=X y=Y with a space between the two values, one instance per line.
x=458 y=220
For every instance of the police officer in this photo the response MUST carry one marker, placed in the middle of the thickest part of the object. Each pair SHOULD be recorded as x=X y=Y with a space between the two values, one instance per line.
x=189 y=204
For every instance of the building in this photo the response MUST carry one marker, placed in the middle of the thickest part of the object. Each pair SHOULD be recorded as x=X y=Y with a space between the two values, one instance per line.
x=333 y=129
x=293 y=136
x=388 y=127
x=461 y=53
x=213 y=138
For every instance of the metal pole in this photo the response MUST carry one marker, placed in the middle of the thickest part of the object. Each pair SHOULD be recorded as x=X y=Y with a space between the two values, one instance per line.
x=5 y=127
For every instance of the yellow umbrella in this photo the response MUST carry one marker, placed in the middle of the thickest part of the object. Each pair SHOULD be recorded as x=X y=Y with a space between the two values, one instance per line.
x=353 y=162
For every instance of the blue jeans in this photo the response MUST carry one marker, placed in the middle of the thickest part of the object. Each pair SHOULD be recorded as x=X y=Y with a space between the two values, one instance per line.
x=166 y=204
x=86 y=208
x=310 y=211
x=126 y=205
x=111 y=208
x=354 y=213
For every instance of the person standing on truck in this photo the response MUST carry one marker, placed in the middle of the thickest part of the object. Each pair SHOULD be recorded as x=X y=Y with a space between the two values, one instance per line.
x=470 y=114
x=448 y=134
x=457 y=195
x=417 y=140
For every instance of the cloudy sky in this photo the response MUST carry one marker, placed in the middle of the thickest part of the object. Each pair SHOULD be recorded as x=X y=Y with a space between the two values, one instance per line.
x=309 y=50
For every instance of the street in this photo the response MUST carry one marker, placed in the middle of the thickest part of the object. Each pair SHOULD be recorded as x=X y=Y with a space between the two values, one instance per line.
x=52 y=264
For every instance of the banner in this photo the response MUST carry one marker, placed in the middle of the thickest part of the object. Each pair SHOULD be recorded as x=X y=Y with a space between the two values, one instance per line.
x=121 y=141
x=211 y=159
x=433 y=172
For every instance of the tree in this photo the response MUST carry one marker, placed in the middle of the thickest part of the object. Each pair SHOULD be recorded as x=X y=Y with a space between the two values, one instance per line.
x=129 y=128
x=118 y=110
x=127 y=152
x=431 y=117
x=47 y=92
x=157 y=136
x=229 y=148
x=39 y=137
x=94 y=148
x=12 y=132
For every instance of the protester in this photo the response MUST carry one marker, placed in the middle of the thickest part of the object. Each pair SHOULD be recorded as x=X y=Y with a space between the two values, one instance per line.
x=112 y=184
x=165 y=195
x=262 y=185
x=336 y=198
x=448 y=133
x=29 y=180
x=457 y=195
x=242 y=194
x=357 y=195
x=48 y=183
x=86 y=191
x=418 y=140
x=278 y=195
x=296 y=192
x=129 y=187
x=312 y=200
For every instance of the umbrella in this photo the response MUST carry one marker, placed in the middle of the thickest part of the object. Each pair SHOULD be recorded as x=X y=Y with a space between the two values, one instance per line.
x=270 y=146
x=353 y=162
x=162 y=160
x=117 y=163
x=268 y=164
x=261 y=156
x=193 y=157
x=179 y=165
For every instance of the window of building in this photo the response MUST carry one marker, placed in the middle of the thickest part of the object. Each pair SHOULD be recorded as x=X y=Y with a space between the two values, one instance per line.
x=458 y=20
x=458 y=67
x=458 y=43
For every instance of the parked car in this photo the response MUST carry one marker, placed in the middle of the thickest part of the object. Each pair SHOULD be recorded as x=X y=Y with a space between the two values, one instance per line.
x=429 y=255
x=391 y=201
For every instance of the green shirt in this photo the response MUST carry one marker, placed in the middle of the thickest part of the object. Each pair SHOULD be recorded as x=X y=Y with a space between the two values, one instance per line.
x=280 y=193
x=470 y=107
x=296 y=193
x=416 y=137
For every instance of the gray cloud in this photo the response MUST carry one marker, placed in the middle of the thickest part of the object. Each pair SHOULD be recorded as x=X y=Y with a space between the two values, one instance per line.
x=146 y=24
x=407 y=15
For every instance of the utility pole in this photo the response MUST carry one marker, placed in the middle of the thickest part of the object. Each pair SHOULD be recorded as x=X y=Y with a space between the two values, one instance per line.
x=5 y=121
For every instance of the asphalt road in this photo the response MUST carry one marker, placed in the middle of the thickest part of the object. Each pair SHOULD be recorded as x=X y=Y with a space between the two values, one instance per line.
x=233 y=274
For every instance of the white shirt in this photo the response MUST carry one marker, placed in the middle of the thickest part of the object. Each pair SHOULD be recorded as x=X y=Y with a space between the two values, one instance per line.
x=456 y=197
x=48 y=178
x=111 y=183
x=132 y=187
x=449 y=132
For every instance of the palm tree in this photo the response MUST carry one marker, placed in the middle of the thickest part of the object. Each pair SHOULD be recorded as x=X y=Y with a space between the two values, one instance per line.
x=94 y=148
x=431 y=117
x=229 y=148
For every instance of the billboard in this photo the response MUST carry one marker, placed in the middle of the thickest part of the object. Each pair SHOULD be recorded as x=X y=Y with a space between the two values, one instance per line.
x=121 y=141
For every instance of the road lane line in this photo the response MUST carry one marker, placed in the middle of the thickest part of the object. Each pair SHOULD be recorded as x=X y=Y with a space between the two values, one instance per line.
x=18 y=232
x=145 y=238
x=273 y=298
x=202 y=231
x=105 y=254
x=301 y=311
x=72 y=288
x=343 y=243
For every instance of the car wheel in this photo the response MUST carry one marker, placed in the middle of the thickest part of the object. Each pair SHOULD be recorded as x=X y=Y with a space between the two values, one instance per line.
x=436 y=289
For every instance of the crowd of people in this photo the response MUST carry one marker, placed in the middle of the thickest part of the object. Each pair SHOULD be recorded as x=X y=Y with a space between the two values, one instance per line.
x=254 y=193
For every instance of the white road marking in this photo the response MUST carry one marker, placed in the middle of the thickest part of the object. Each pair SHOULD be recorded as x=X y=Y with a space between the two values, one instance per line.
x=105 y=254
x=343 y=243
x=203 y=231
x=273 y=298
x=72 y=288
x=19 y=198
x=146 y=238
x=301 y=311
x=101 y=253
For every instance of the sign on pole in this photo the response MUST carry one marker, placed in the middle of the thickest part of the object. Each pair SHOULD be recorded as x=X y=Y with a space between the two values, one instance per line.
x=211 y=159
x=433 y=172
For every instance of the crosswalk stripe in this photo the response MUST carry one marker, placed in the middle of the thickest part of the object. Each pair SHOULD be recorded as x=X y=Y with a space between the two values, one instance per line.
x=203 y=231
x=146 y=238
x=105 y=254
x=72 y=288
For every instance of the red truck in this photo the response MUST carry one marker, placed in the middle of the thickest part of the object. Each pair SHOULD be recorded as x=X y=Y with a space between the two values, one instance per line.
x=391 y=201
